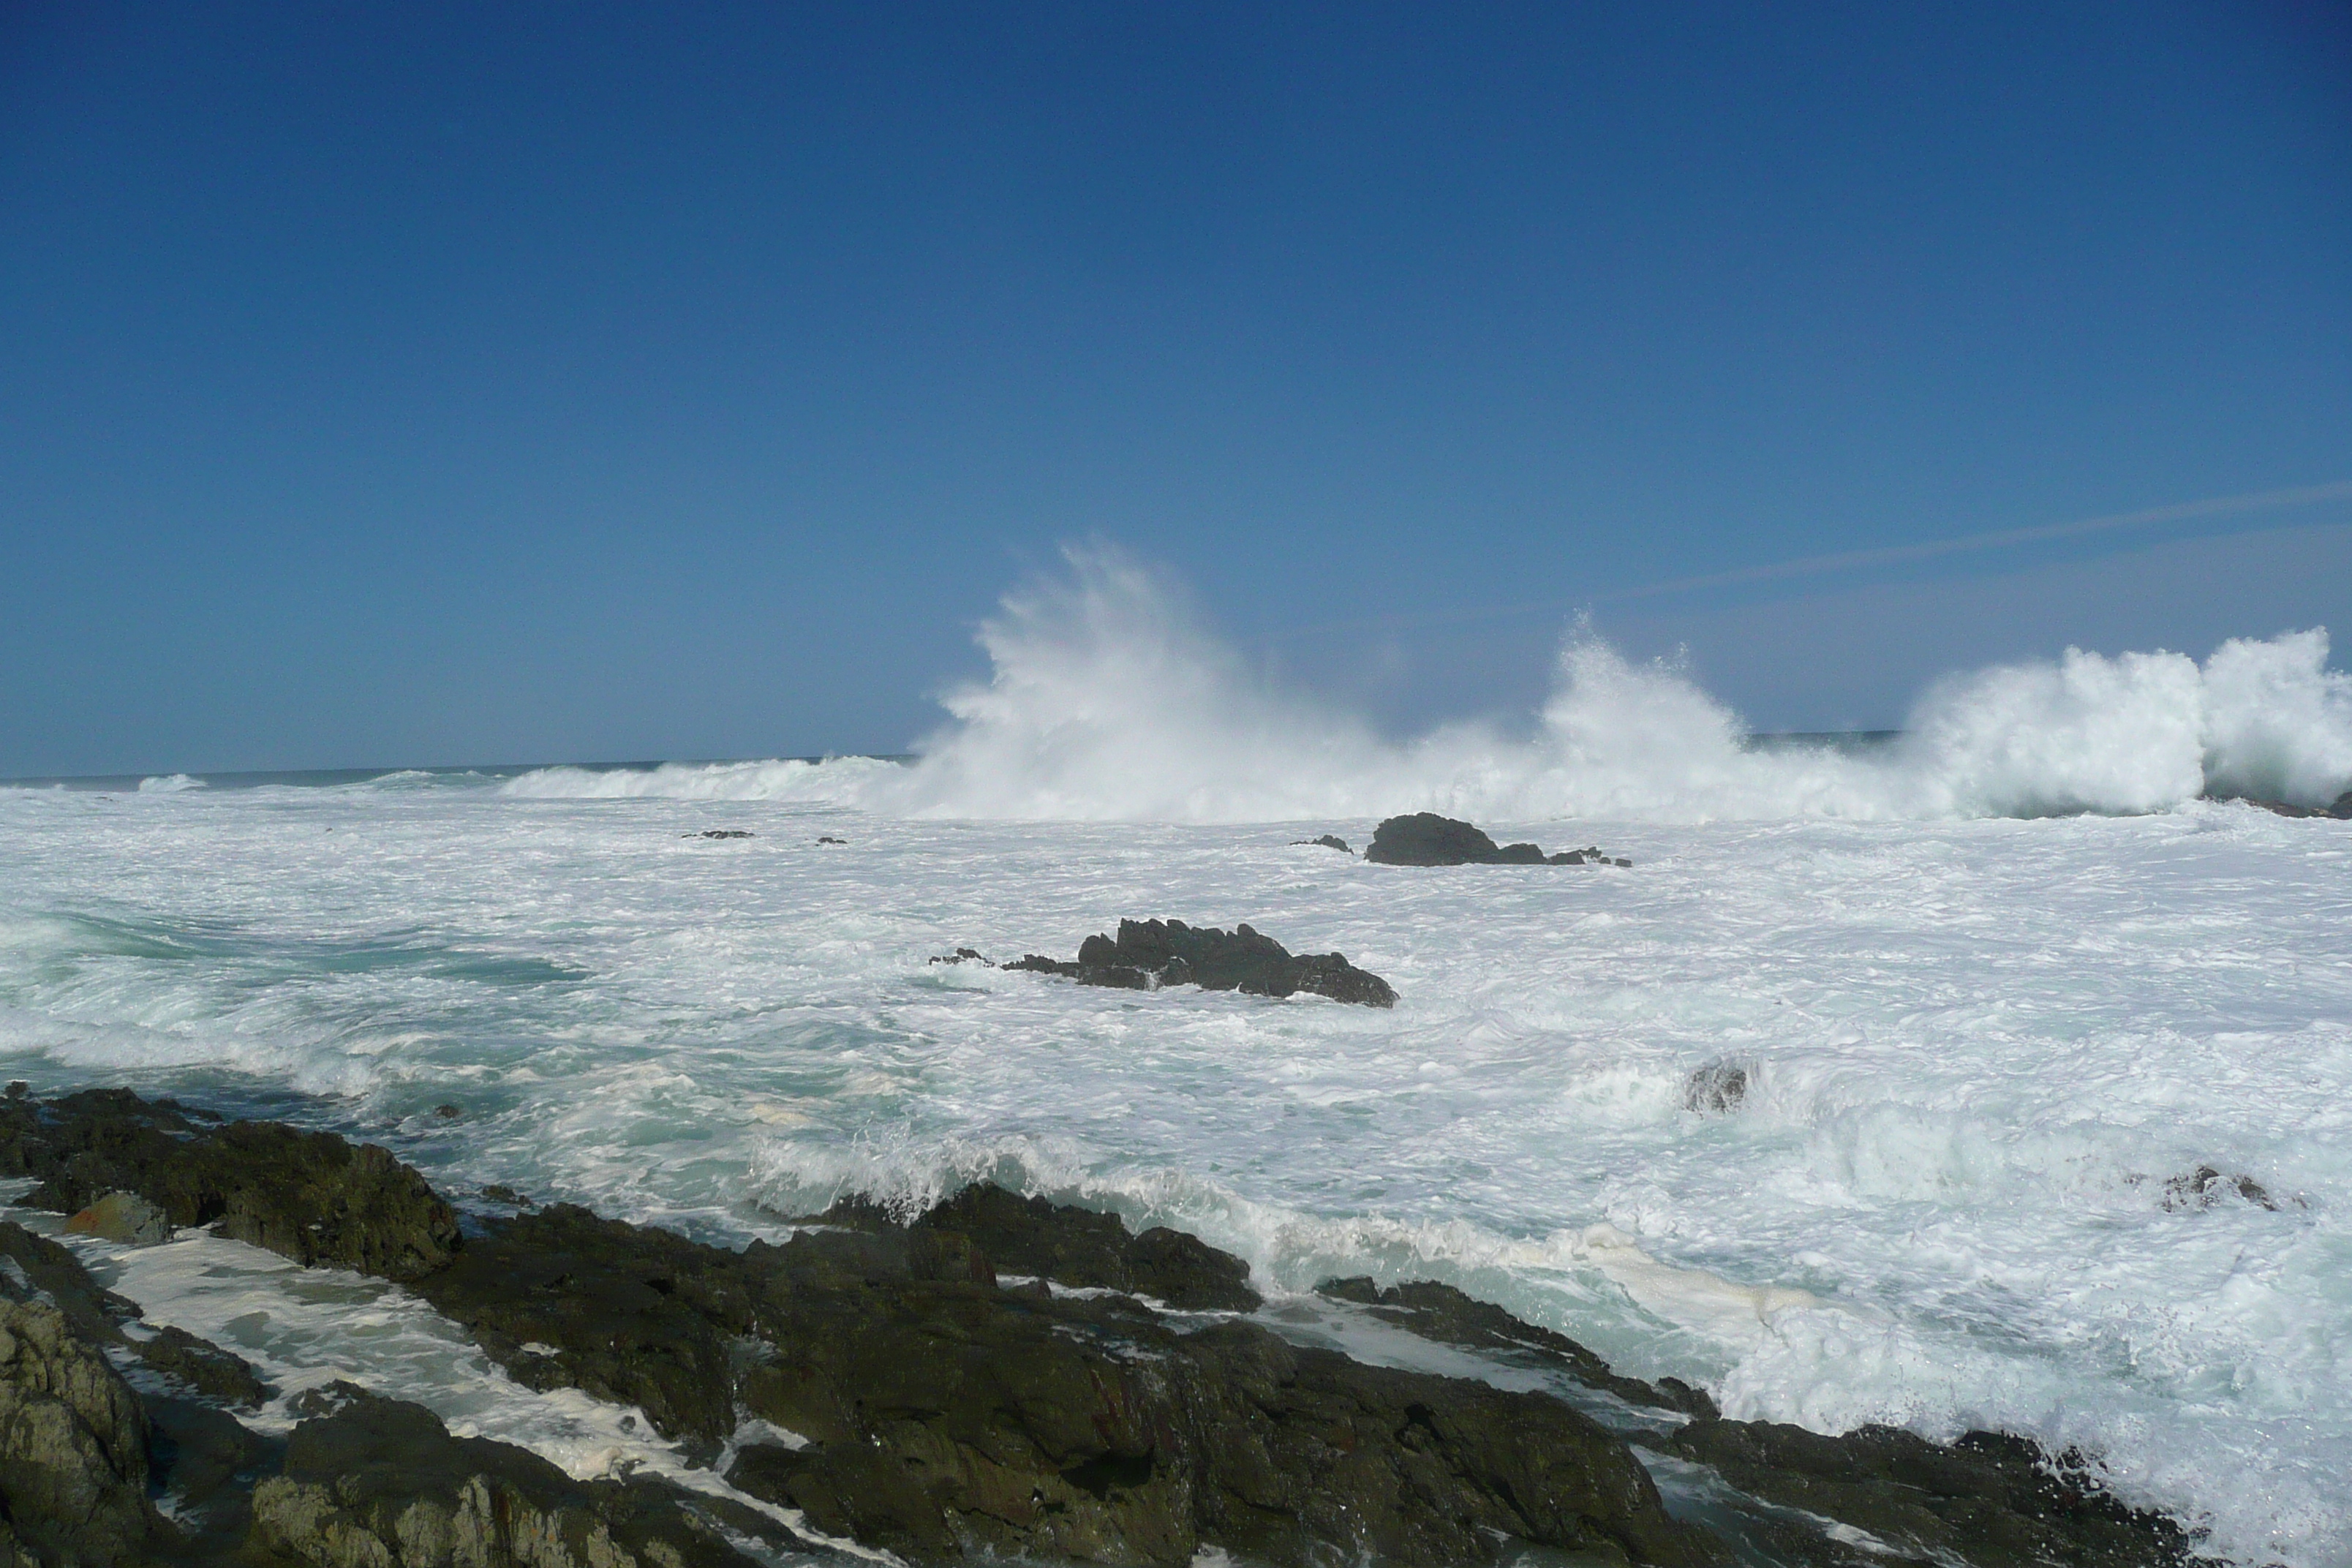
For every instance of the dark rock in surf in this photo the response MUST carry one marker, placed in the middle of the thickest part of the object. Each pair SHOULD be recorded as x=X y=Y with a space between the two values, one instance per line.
x=309 y=1196
x=2205 y=1186
x=1146 y=954
x=1075 y=1247
x=1328 y=841
x=961 y=955
x=1717 y=1088
x=720 y=833
x=830 y=840
x=1987 y=1498
x=1425 y=838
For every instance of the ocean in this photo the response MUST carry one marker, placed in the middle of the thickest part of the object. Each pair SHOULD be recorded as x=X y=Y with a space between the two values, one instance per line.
x=2047 y=1120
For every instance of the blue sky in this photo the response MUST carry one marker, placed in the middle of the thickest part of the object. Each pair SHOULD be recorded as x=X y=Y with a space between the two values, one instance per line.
x=418 y=384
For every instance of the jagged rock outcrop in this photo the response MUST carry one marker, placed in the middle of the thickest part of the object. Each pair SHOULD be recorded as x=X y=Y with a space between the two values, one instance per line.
x=941 y=1410
x=1075 y=1246
x=73 y=1443
x=371 y=1482
x=1149 y=953
x=309 y=1196
x=1988 y=1498
x=1425 y=838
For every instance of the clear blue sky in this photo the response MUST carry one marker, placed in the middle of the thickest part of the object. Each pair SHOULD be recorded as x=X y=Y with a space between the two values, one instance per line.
x=403 y=383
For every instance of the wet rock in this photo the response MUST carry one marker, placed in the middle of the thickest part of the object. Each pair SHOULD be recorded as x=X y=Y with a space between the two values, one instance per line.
x=1986 y=1499
x=205 y=1464
x=1442 y=1313
x=309 y=1196
x=124 y=1217
x=1425 y=838
x=2205 y=1186
x=73 y=1443
x=563 y=1299
x=1076 y=1246
x=220 y=1377
x=499 y=1192
x=376 y=1483
x=1328 y=841
x=1149 y=953
x=448 y=1112
x=1717 y=1089
x=948 y=1420
x=33 y=1268
x=720 y=833
x=830 y=840
x=963 y=956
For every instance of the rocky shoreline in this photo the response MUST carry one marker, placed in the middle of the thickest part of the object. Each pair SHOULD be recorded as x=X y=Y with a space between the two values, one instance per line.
x=996 y=1376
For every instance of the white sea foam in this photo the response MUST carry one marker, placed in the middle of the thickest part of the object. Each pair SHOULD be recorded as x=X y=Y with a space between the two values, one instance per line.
x=1108 y=702
x=170 y=784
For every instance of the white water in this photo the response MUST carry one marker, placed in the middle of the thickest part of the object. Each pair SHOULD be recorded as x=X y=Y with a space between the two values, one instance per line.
x=1107 y=703
x=1980 y=1040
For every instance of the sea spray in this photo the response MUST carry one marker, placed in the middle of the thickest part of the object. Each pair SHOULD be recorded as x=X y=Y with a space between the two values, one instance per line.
x=1107 y=700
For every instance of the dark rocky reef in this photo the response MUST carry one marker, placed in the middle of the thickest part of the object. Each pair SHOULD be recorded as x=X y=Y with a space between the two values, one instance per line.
x=1074 y=1247
x=1988 y=1498
x=1718 y=1088
x=720 y=833
x=937 y=1410
x=1325 y=841
x=1425 y=838
x=309 y=1196
x=1150 y=953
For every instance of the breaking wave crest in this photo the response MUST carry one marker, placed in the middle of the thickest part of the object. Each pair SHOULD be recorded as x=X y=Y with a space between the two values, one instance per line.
x=1109 y=702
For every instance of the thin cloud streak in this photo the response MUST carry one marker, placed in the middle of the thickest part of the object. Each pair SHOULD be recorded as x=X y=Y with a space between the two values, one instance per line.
x=2180 y=511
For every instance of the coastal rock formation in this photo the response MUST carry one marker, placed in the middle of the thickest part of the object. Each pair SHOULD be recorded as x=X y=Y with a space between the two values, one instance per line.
x=1149 y=953
x=73 y=1443
x=125 y=1217
x=371 y=1482
x=1327 y=841
x=938 y=1408
x=309 y=1196
x=1074 y=1247
x=1425 y=838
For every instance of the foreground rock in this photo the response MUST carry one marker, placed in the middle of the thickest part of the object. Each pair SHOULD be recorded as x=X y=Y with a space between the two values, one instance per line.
x=1425 y=838
x=371 y=1482
x=1146 y=954
x=310 y=1196
x=941 y=1410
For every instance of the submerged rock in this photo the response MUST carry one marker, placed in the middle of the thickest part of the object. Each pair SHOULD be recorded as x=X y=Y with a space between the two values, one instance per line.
x=960 y=956
x=720 y=833
x=1149 y=953
x=1328 y=841
x=1425 y=838
x=1716 y=1089
x=2205 y=1186
x=2339 y=809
